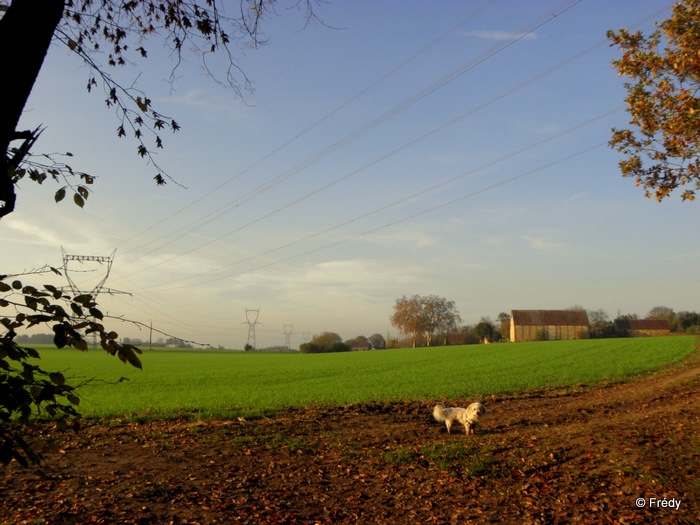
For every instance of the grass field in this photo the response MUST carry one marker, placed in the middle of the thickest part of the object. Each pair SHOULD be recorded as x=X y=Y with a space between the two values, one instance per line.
x=228 y=384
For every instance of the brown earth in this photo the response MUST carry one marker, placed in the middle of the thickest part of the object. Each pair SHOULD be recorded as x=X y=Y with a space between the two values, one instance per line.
x=584 y=455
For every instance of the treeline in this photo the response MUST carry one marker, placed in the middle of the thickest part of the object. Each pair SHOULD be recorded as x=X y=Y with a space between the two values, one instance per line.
x=434 y=321
x=484 y=331
x=47 y=339
x=327 y=342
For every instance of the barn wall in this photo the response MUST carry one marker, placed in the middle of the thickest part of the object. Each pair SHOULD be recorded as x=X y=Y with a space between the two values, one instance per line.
x=554 y=332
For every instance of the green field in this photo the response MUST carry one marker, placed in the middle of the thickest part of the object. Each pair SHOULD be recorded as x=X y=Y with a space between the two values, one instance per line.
x=228 y=384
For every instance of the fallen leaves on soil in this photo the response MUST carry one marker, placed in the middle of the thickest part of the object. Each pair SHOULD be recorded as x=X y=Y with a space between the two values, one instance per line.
x=578 y=456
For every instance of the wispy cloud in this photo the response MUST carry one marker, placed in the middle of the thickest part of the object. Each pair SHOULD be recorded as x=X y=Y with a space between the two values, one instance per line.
x=33 y=233
x=408 y=238
x=194 y=97
x=540 y=243
x=204 y=100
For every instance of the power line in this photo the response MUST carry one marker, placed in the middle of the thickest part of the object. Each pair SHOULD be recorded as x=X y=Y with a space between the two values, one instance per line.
x=471 y=194
x=376 y=161
x=502 y=45
x=386 y=156
x=303 y=132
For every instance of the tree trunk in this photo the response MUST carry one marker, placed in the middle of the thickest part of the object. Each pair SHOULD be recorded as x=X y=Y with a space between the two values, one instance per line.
x=26 y=31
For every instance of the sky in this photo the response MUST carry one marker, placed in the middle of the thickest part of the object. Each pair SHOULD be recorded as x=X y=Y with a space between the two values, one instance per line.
x=397 y=148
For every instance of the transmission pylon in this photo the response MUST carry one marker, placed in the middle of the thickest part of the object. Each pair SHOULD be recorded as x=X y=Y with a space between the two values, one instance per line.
x=104 y=262
x=251 y=320
x=288 y=335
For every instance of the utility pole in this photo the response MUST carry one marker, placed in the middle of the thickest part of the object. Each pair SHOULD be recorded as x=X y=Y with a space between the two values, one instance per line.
x=251 y=320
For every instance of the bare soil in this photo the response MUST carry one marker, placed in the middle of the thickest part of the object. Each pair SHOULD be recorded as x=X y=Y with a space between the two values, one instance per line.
x=581 y=455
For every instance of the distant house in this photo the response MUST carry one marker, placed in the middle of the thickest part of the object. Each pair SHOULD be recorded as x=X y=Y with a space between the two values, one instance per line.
x=361 y=345
x=548 y=325
x=642 y=327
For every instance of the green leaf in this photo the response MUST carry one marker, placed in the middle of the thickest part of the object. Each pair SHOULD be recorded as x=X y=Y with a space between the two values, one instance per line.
x=79 y=201
x=4 y=287
x=83 y=299
x=31 y=302
x=76 y=309
x=96 y=313
x=54 y=291
x=59 y=338
x=35 y=391
x=57 y=378
x=60 y=194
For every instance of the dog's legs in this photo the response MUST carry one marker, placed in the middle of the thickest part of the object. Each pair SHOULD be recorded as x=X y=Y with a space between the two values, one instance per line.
x=448 y=424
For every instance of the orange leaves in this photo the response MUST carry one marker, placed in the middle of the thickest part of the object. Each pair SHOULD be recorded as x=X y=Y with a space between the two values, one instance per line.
x=663 y=104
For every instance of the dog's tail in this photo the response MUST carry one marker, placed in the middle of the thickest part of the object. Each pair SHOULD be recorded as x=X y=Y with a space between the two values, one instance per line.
x=439 y=413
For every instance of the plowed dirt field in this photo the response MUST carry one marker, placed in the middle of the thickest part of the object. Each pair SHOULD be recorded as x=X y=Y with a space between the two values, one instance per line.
x=616 y=453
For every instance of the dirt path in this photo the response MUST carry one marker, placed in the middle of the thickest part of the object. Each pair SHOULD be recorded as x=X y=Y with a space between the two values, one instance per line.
x=585 y=456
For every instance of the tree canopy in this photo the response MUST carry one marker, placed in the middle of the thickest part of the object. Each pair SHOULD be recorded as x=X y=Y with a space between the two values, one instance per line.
x=484 y=331
x=324 y=343
x=424 y=315
x=105 y=35
x=662 y=146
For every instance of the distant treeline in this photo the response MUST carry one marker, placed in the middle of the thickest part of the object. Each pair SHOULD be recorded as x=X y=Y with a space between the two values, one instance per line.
x=47 y=339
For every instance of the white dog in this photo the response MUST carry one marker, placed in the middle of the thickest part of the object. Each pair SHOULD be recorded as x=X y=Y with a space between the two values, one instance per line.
x=467 y=416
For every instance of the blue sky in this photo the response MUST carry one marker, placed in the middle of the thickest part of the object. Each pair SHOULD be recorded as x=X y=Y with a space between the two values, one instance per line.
x=474 y=167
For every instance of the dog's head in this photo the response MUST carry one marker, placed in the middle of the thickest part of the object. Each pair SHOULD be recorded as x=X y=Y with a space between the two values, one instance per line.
x=476 y=410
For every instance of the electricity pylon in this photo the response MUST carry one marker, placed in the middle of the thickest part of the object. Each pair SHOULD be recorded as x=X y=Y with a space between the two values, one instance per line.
x=106 y=262
x=251 y=314
x=288 y=335
x=100 y=286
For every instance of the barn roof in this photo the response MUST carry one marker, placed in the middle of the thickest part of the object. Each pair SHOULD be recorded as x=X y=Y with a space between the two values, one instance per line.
x=550 y=317
x=642 y=324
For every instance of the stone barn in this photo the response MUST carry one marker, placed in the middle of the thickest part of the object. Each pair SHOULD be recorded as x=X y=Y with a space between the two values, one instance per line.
x=548 y=325
x=642 y=327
